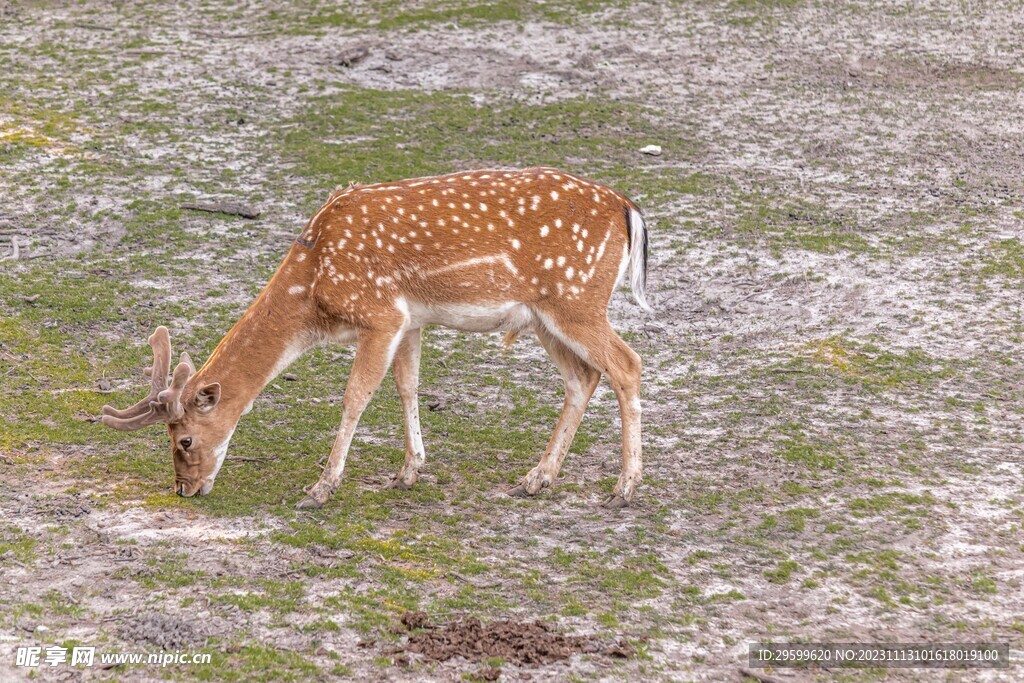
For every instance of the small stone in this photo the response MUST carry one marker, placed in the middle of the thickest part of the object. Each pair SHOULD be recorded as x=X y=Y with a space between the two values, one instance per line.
x=351 y=56
x=290 y=377
x=436 y=404
x=854 y=68
x=653 y=150
x=103 y=385
x=586 y=63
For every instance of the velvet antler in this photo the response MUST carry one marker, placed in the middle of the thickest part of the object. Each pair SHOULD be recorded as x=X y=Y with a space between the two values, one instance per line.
x=163 y=404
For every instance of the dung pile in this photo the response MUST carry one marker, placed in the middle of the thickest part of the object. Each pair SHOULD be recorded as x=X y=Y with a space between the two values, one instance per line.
x=521 y=642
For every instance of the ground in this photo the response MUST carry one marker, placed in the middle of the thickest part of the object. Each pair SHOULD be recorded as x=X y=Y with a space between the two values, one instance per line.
x=832 y=380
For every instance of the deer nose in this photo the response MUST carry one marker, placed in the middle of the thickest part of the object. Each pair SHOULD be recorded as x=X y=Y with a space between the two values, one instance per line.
x=181 y=489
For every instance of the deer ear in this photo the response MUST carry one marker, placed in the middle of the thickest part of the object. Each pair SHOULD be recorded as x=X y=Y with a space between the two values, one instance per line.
x=207 y=397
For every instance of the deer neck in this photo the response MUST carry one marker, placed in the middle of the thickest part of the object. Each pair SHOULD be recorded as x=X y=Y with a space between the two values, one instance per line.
x=275 y=330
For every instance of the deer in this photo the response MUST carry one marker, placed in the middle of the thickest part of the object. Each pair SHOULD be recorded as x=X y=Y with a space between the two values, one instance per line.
x=536 y=250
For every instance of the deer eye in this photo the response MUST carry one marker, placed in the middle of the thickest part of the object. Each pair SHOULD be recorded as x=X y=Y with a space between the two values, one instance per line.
x=185 y=443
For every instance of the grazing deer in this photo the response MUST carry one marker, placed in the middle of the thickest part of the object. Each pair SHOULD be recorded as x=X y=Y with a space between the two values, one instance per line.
x=535 y=250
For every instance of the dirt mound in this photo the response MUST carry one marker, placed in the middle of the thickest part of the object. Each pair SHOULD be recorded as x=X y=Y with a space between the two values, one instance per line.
x=521 y=642
x=162 y=630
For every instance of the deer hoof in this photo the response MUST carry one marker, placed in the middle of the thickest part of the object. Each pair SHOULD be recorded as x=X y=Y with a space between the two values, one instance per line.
x=399 y=484
x=614 y=502
x=519 y=491
x=309 y=503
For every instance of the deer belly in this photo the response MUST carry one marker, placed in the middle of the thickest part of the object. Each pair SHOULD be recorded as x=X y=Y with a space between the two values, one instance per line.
x=482 y=317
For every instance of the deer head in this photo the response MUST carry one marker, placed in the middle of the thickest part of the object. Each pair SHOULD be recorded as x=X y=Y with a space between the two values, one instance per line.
x=198 y=439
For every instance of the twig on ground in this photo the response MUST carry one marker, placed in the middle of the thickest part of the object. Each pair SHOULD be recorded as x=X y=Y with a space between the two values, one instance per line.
x=231 y=208
x=92 y=27
x=463 y=579
x=229 y=36
x=15 y=359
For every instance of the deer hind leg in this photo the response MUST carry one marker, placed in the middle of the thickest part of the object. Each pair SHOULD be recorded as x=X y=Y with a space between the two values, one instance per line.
x=374 y=351
x=580 y=381
x=406 y=368
x=599 y=345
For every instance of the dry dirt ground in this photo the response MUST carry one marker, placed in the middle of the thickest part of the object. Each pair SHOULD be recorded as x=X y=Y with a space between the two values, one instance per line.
x=833 y=384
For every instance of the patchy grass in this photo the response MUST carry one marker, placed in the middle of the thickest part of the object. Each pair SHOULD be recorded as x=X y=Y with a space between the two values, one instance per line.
x=257 y=663
x=317 y=16
x=1006 y=260
x=872 y=367
x=783 y=572
x=800 y=225
x=375 y=136
x=16 y=545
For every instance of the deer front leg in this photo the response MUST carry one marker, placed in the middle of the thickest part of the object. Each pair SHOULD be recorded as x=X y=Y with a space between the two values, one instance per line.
x=406 y=368
x=374 y=351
